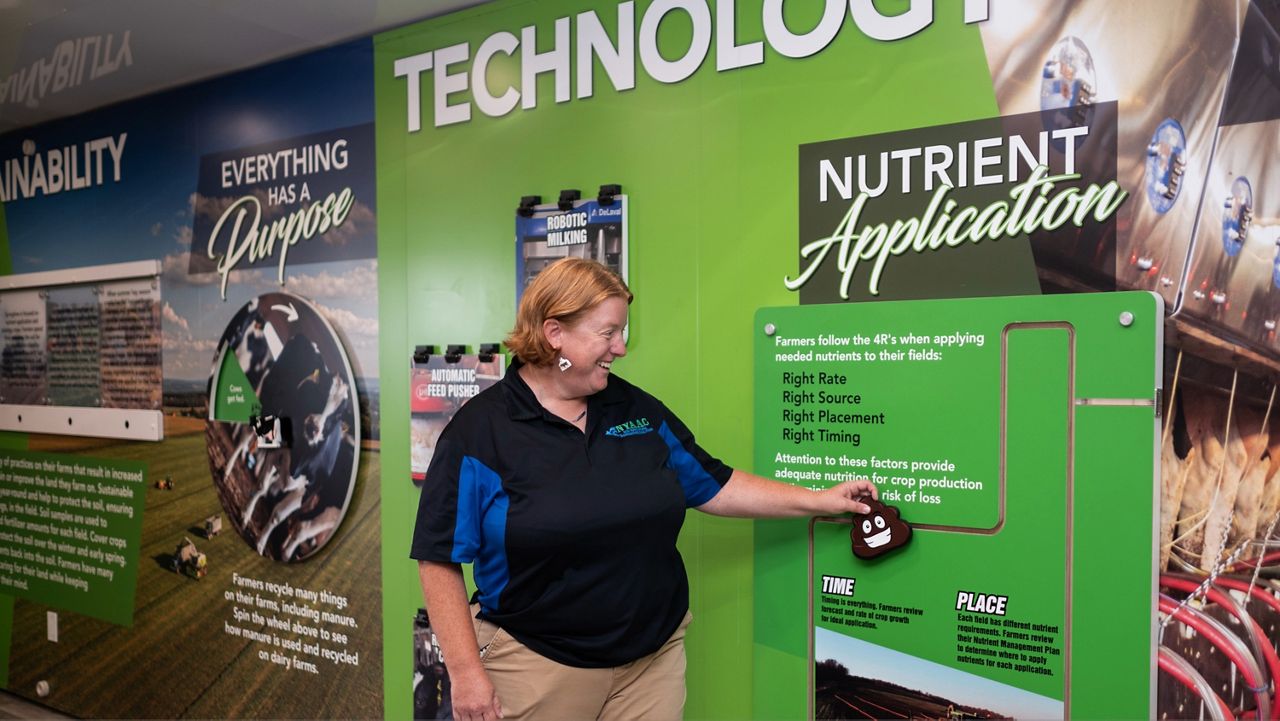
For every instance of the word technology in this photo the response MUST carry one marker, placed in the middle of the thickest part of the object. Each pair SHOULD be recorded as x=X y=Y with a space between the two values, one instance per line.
x=450 y=74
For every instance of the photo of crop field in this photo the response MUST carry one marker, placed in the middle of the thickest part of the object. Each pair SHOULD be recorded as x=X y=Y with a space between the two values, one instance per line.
x=178 y=659
x=855 y=679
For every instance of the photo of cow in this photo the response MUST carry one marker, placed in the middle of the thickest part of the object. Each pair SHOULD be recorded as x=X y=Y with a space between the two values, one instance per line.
x=287 y=497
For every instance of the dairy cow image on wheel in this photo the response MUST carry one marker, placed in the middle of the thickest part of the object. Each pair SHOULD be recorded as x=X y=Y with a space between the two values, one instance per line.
x=279 y=359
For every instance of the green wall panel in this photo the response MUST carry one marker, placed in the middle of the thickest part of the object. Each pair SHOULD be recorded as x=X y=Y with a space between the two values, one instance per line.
x=710 y=165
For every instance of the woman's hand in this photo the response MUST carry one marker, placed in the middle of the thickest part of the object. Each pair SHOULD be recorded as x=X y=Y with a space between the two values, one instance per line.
x=846 y=497
x=474 y=698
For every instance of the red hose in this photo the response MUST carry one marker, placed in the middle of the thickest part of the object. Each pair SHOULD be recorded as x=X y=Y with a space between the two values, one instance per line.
x=1218 y=597
x=1173 y=669
x=1196 y=621
x=1270 y=559
x=1258 y=592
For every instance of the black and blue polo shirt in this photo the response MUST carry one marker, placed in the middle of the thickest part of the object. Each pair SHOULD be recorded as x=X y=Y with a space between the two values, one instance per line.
x=572 y=534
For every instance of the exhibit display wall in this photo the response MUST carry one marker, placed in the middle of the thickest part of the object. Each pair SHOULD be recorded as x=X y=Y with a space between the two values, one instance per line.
x=742 y=134
x=175 y=266
x=234 y=317
x=710 y=168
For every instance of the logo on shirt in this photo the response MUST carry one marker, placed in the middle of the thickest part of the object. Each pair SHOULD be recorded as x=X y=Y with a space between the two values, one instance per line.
x=630 y=428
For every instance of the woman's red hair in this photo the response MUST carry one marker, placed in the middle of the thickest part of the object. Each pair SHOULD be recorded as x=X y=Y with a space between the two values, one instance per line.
x=565 y=291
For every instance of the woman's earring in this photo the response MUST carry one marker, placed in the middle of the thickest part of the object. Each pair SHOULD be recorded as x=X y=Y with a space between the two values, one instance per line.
x=565 y=364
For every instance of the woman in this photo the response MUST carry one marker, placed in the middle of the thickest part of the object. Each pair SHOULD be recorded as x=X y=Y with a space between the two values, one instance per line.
x=566 y=487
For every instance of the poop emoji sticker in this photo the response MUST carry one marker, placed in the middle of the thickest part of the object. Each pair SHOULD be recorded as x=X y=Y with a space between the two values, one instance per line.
x=879 y=531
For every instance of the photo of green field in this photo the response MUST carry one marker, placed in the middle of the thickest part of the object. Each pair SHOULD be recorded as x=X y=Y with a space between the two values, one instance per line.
x=177 y=660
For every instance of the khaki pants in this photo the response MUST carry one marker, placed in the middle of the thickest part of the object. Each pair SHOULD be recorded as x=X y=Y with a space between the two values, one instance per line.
x=531 y=686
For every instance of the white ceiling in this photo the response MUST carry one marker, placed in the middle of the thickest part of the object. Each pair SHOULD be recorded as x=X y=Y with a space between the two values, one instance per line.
x=170 y=43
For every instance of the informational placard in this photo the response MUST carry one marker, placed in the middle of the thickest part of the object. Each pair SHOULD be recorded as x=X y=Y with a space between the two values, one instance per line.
x=24 y=371
x=129 y=343
x=80 y=351
x=1017 y=436
x=73 y=331
x=69 y=531
x=439 y=388
x=588 y=230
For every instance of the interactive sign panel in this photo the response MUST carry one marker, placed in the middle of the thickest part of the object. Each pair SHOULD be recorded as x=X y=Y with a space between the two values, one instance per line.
x=1017 y=437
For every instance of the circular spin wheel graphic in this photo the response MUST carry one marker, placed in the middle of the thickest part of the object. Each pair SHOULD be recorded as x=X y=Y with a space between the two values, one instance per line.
x=283 y=432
